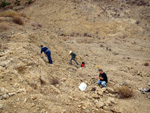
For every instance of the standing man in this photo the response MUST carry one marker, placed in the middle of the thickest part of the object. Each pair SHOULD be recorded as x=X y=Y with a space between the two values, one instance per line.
x=47 y=52
x=102 y=78
x=73 y=57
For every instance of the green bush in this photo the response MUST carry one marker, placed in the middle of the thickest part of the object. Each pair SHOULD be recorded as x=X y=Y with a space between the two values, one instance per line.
x=30 y=1
x=17 y=2
x=4 y=3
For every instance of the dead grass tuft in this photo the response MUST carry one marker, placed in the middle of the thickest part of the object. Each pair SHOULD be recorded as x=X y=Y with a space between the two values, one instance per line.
x=9 y=13
x=124 y=91
x=54 y=81
x=33 y=85
x=18 y=20
x=4 y=26
x=22 y=15
x=21 y=69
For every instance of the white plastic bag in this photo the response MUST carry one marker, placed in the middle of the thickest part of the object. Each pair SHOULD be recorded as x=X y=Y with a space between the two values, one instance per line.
x=82 y=86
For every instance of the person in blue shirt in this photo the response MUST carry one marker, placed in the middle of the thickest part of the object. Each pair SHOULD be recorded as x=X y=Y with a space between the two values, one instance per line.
x=47 y=52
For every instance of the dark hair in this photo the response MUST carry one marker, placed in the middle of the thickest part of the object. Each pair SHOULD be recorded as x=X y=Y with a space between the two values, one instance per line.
x=83 y=62
x=100 y=70
x=41 y=46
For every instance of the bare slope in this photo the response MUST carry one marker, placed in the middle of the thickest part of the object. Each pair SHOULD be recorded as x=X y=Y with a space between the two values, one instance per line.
x=112 y=35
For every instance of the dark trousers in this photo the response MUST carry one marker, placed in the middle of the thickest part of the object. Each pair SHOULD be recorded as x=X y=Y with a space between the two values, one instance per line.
x=74 y=60
x=49 y=57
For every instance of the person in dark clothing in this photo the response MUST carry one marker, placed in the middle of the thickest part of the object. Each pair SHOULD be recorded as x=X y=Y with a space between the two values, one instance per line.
x=102 y=78
x=73 y=57
x=47 y=53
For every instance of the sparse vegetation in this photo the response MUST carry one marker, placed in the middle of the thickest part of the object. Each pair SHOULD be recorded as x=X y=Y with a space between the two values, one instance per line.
x=30 y=1
x=54 y=81
x=21 y=69
x=125 y=91
x=18 y=20
x=9 y=13
x=4 y=3
x=33 y=85
x=22 y=15
x=17 y=2
x=4 y=26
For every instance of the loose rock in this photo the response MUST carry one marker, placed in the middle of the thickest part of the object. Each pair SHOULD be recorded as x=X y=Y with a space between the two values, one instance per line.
x=100 y=104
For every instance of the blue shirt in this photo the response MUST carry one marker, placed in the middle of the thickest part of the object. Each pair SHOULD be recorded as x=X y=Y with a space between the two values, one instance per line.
x=44 y=49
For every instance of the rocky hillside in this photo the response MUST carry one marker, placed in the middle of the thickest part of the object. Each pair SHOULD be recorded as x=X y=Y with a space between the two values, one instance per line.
x=109 y=34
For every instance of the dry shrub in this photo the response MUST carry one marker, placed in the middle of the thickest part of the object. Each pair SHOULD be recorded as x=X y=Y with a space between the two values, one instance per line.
x=22 y=15
x=21 y=69
x=9 y=13
x=4 y=26
x=33 y=85
x=18 y=20
x=54 y=81
x=125 y=91
x=146 y=64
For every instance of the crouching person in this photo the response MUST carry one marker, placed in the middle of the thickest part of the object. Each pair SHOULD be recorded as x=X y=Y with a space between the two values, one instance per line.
x=47 y=53
x=102 y=78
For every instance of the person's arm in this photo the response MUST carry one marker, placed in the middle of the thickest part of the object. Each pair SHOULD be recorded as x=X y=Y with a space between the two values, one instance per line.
x=41 y=51
x=101 y=78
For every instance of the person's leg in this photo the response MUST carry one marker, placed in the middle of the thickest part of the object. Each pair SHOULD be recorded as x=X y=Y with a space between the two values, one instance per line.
x=99 y=82
x=76 y=61
x=70 y=61
x=49 y=58
x=103 y=83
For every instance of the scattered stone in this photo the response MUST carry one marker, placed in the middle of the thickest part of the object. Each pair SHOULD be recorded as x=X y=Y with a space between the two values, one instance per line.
x=39 y=25
x=21 y=90
x=115 y=53
x=85 y=34
x=5 y=96
x=106 y=108
x=100 y=104
x=12 y=94
x=95 y=96
x=93 y=89
x=110 y=90
x=56 y=90
x=33 y=25
x=3 y=65
x=72 y=34
x=89 y=35
x=34 y=97
x=116 y=110
x=110 y=101
x=100 y=92
x=109 y=49
x=62 y=34
x=1 y=106
x=101 y=45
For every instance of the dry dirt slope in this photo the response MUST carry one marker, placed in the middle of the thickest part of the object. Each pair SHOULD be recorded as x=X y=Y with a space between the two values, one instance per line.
x=117 y=44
